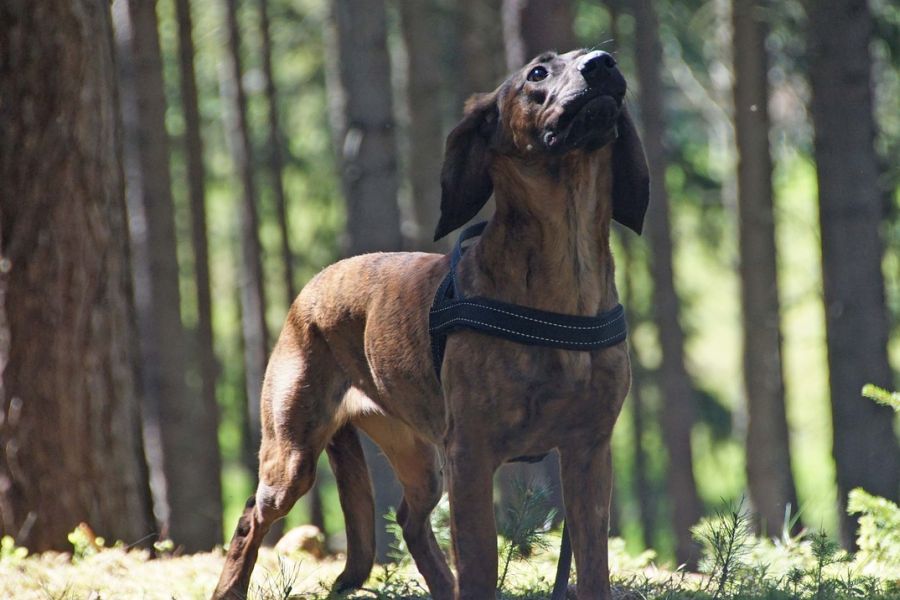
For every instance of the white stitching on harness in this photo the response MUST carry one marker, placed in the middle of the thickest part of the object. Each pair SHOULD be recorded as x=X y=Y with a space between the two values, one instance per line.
x=534 y=337
x=500 y=310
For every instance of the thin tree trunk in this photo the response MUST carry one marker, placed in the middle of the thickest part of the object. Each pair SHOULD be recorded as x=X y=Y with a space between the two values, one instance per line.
x=276 y=172
x=368 y=162
x=71 y=437
x=276 y=146
x=419 y=19
x=534 y=26
x=482 y=58
x=643 y=491
x=208 y=460
x=181 y=419
x=850 y=216
x=253 y=299
x=679 y=411
x=768 y=449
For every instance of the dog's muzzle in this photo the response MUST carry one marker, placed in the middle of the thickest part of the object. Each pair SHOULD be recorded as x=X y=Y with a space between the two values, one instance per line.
x=589 y=117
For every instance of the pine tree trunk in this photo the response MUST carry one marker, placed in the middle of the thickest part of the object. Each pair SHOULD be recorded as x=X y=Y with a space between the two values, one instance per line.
x=253 y=300
x=276 y=172
x=208 y=460
x=276 y=151
x=643 y=490
x=482 y=58
x=679 y=411
x=419 y=19
x=368 y=161
x=151 y=213
x=534 y=26
x=850 y=215
x=768 y=449
x=71 y=429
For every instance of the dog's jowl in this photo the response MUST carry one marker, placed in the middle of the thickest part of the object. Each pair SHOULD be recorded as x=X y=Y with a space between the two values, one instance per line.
x=556 y=148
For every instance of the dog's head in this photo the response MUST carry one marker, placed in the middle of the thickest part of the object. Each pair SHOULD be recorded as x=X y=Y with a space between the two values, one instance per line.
x=556 y=105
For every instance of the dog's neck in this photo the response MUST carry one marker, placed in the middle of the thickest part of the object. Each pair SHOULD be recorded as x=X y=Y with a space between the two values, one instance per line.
x=547 y=245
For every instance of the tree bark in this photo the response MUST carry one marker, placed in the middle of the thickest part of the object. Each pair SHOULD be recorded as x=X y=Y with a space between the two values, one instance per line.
x=151 y=208
x=482 y=56
x=253 y=298
x=679 y=411
x=767 y=445
x=368 y=162
x=643 y=490
x=850 y=215
x=208 y=460
x=419 y=20
x=276 y=152
x=70 y=426
x=534 y=26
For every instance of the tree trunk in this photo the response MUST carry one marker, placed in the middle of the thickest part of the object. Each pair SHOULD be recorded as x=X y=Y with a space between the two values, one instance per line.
x=253 y=299
x=534 y=26
x=679 y=411
x=368 y=162
x=275 y=147
x=419 y=19
x=71 y=429
x=276 y=172
x=850 y=215
x=643 y=491
x=180 y=418
x=208 y=460
x=768 y=449
x=482 y=58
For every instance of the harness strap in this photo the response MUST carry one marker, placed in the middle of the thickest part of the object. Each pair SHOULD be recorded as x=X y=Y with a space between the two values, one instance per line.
x=451 y=310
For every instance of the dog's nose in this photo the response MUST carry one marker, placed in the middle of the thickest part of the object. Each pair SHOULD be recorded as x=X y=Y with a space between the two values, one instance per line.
x=596 y=66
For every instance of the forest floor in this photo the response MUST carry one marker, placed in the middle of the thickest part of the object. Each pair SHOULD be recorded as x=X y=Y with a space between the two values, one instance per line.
x=116 y=573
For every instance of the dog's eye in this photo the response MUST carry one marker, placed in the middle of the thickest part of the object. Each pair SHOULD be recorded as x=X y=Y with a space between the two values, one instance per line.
x=538 y=73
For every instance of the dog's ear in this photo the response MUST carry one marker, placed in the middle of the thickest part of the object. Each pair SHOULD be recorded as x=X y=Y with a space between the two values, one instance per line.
x=631 y=177
x=465 y=177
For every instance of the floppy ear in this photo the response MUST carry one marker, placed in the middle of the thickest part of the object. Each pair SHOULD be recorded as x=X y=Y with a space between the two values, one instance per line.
x=631 y=177
x=465 y=177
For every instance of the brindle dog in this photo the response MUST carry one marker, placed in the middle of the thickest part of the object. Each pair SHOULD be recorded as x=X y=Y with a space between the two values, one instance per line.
x=558 y=151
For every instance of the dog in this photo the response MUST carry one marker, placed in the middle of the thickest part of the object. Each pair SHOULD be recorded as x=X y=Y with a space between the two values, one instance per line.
x=556 y=147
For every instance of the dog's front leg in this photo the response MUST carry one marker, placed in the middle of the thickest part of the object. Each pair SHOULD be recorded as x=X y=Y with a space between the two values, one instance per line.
x=471 y=467
x=587 y=489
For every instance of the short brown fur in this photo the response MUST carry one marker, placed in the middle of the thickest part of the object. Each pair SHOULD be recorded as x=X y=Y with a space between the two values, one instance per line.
x=354 y=353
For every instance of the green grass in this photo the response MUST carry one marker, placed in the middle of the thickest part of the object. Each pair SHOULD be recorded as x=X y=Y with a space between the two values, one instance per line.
x=736 y=566
x=769 y=570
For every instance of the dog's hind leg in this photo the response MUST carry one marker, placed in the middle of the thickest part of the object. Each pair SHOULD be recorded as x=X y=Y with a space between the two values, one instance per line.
x=416 y=463
x=300 y=397
x=355 y=492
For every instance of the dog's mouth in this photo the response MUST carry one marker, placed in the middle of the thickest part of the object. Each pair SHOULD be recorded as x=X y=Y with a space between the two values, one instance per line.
x=589 y=120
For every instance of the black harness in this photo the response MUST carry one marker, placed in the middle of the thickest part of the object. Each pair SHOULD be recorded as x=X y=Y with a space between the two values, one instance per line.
x=451 y=311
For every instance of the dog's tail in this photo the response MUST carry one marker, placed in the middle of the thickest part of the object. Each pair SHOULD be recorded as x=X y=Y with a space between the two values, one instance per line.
x=355 y=491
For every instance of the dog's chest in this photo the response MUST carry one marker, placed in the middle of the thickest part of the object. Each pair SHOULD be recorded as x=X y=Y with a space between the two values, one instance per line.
x=531 y=398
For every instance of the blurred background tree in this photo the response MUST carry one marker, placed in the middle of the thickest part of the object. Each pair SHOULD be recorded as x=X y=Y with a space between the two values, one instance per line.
x=266 y=139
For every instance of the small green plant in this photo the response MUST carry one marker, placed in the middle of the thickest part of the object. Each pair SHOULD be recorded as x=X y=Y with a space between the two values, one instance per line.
x=525 y=528
x=878 y=537
x=882 y=396
x=84 y=542
x=280 y=585
x=10 y=553
x=826 y=553
x=727 y=539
